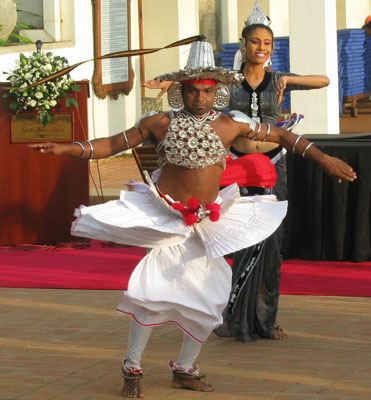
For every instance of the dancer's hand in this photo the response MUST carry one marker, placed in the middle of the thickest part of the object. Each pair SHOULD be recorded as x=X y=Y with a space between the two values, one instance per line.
x=338 y=169
x=158 y=84
x=280 y=88
x=56 y=149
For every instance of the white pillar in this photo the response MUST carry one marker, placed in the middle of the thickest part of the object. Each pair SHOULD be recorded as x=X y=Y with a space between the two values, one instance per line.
x=188 y=25
x=313 y=50
x=351 y=14
x=164 y=22
x=229 y=14
x=279 y=15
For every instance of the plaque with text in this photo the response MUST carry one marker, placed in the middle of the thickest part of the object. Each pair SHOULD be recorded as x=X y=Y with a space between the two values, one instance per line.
x=112 y=76
x=28 y=128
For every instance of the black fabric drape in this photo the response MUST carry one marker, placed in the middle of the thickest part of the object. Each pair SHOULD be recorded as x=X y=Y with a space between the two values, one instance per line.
x=327 y=220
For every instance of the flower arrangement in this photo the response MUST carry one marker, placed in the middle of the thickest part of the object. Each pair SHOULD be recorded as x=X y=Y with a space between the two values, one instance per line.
x=43 y=97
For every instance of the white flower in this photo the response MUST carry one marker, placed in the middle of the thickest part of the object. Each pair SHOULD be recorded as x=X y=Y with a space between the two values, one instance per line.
x=32 y=68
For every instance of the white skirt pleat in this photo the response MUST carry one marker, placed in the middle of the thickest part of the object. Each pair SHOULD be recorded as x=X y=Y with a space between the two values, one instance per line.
x=178 y=284
x=184 y=279
x=246 y=222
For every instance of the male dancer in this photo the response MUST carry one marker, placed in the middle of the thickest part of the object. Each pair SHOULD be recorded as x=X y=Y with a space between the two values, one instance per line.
x=188 y=224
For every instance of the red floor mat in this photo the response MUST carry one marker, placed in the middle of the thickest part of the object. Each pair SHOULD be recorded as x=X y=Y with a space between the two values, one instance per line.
x=99 y=266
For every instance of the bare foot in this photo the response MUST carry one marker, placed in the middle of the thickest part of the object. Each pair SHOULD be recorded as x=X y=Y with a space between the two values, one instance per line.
x=132 y=387
x=192 y=382
x=278 y=333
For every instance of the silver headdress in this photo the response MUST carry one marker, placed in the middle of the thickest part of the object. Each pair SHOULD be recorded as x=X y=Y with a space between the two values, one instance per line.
x=257 y=16
x=201 y=65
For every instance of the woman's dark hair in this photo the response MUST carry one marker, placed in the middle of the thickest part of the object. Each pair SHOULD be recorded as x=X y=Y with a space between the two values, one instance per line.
x=247 y=30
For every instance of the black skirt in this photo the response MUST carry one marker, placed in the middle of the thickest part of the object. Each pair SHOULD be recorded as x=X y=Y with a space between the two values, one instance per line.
x=253 y=304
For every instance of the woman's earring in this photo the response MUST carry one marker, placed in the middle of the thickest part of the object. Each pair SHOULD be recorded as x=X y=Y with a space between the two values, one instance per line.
x=243 y=49
x=268 y=63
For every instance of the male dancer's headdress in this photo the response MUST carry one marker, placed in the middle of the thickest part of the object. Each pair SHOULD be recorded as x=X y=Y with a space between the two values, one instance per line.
x=201 y=68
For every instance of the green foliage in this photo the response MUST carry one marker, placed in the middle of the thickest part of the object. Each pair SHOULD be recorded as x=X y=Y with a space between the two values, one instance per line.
x=15 y=35
x=70 y=101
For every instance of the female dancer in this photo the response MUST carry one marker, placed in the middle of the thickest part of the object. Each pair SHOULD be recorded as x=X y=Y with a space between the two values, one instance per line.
x=252 y=309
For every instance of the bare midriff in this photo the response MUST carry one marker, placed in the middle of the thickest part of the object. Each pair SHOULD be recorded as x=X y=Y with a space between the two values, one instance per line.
x=182 y=184
x=247 y=146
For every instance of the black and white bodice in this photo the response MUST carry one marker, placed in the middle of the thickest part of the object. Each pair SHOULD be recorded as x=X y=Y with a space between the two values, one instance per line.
x=260 y=103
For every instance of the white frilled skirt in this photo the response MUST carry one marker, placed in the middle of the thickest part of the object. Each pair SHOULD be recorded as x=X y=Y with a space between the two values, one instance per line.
x=184 y=278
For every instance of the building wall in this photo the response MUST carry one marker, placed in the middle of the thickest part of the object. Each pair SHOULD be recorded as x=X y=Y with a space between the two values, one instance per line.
x=164 y=22
x=106 y=117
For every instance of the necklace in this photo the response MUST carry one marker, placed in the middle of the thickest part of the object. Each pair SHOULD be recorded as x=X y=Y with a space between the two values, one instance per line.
x=209 y=116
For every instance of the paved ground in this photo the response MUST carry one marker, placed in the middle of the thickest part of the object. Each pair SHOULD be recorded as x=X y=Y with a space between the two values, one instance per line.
x=67 y=344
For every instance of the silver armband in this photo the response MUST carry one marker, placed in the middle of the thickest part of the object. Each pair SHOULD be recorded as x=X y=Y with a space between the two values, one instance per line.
x=126 y=140
x=149 y=114
x=242 y=118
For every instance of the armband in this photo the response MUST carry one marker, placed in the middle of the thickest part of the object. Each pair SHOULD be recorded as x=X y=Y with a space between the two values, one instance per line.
x=145 y=116
x=242 y=118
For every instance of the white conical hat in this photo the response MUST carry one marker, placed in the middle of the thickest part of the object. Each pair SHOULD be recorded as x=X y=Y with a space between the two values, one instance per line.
x=201 y=65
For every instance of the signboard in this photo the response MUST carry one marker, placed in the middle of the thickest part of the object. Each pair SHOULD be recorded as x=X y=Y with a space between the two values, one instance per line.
x=112 y=76
x=114 y=38
x=28 y=128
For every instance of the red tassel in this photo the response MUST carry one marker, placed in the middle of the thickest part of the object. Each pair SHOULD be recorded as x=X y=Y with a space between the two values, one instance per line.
x=213 y=207
x=178 y=206
x=190 y=219
x=193 y=203
x=214 y=216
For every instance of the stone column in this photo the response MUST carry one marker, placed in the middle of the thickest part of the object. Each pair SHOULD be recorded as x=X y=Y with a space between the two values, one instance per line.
x=313 y=50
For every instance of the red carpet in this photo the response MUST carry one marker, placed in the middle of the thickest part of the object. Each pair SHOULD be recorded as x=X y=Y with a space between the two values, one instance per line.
x=326 y=278
x=104 y=267
x=95 y=267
